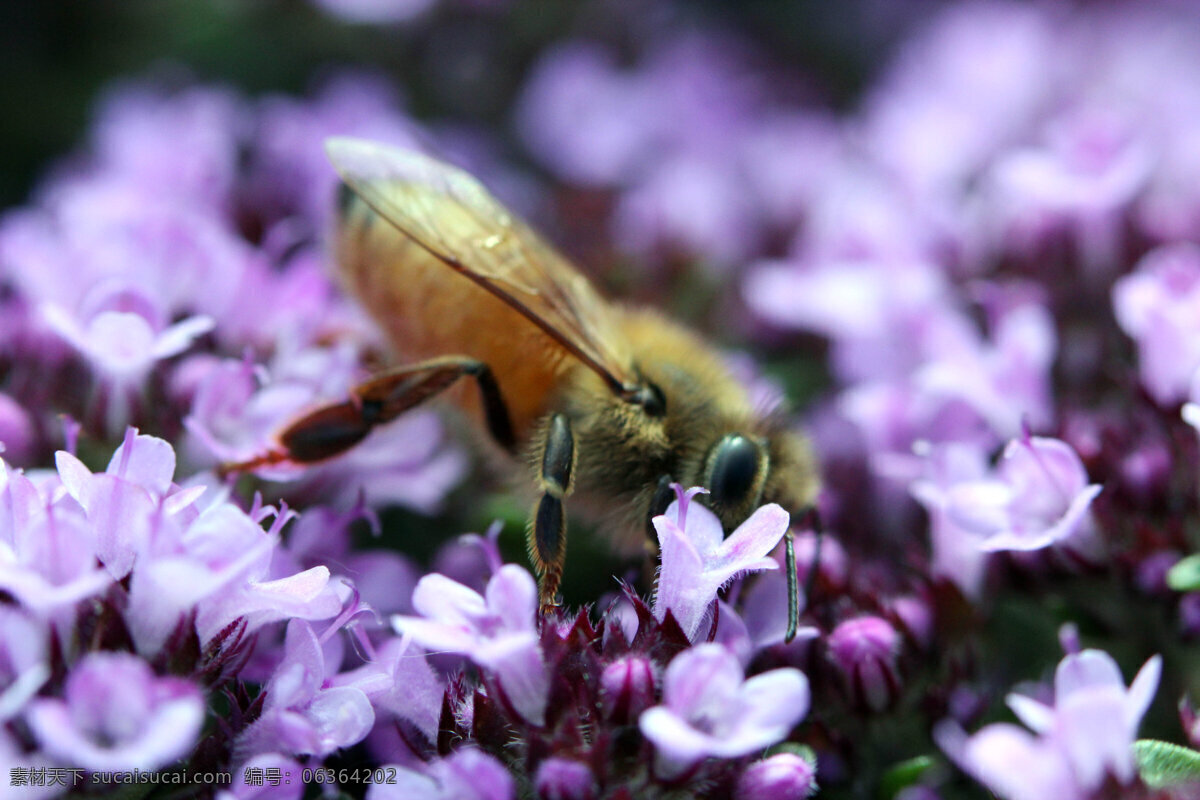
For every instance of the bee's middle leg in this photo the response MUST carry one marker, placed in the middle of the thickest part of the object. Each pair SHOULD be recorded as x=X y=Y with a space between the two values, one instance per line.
x=548 y=531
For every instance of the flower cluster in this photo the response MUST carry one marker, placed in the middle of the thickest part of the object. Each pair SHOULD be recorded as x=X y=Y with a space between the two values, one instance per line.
x=994 y=252
x=1084 y=739
x=997 y=248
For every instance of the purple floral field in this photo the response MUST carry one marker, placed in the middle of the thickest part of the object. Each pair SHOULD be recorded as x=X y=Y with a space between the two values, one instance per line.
x=977 y=284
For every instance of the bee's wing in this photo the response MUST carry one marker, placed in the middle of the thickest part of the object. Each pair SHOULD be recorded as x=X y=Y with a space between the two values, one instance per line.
x=450 y=214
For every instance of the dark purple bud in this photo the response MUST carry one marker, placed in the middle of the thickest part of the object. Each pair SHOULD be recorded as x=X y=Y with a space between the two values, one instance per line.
x=1068 y=638
x=627 y=688
x=1189 y=615
x=865 y=650
x=1151 y=572
x=785 y=776
x=1146 y=470
x=565 y=779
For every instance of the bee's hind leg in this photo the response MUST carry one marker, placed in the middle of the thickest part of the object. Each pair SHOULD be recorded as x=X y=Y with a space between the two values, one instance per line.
x=332 y=429
x=548 y=529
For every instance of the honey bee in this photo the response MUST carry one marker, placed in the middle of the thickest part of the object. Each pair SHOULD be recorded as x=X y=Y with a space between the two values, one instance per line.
x=607 y=405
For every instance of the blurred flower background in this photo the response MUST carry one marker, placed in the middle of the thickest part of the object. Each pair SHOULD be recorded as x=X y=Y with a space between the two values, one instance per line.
x=962 y=239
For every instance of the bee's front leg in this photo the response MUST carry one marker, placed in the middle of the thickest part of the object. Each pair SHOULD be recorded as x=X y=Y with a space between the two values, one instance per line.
x=548 y=529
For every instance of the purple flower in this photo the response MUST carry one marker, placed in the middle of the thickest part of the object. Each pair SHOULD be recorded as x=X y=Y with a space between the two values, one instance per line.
x=865 y=651
x=1158 y=305
x=1005 y=380
x=305 y=712
x=471 y=559
x=122 y=503
x=1037 y=496
x=496 y=630
x=102 y=244
x=784 y=776
x=1084 y=738
x=690 y=206
x=697 y=558
x=47 y=560
x=213 y=559
x=124 y=345
x=23 y=664
x=400 y=682
x=882 y=314
x=116 y=714
x=916 y=365
x=956 y=552
x=1092 y=164
x=181 y=145
x=710 y=709
x=290 y=175
x=967 y=85
x=661 y=133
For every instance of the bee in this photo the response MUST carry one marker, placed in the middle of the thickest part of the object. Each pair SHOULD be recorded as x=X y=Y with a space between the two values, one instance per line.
x=607 y=405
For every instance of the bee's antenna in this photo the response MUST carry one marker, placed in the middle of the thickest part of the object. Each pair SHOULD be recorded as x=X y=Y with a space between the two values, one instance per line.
x=813 y=520
x=793 y=587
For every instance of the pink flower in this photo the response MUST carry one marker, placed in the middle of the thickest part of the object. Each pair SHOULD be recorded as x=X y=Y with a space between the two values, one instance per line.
x=47 y=553
x=1037 y=496
x=1085 y=737
x=783 y=776
x=1159 y=306
x=116 y=714
x=710 y=709
x=305 y=711
x=697 y=558
x=496 y=630
x=866 y=650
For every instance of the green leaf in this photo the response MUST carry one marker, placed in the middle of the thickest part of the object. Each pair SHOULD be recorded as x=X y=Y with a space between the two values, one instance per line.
x=1185 y=575
x=903 y=775
x=1162 y=764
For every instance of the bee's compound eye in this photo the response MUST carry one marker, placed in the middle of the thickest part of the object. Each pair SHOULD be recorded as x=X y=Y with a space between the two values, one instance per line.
x=651 y=399
x=734 y=471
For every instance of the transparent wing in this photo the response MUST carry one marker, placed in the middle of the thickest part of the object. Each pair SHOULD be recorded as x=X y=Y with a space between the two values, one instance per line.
x=450 y=214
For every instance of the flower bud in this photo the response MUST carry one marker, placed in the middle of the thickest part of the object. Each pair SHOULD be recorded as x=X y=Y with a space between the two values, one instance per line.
x=785 y=776
x=627 y=688
x=565 y=779
x=865 y=650
x=1146 y=471
x=1189 y=615
x=1150 y=575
